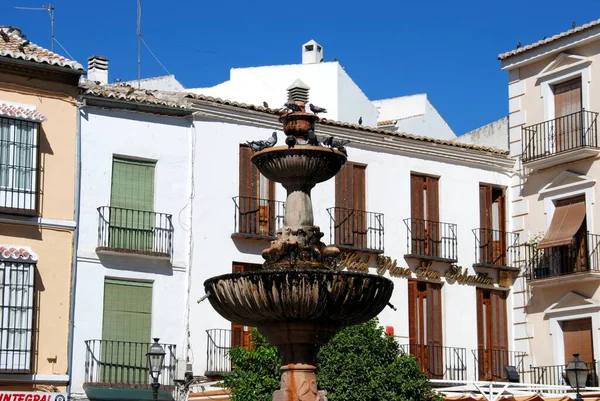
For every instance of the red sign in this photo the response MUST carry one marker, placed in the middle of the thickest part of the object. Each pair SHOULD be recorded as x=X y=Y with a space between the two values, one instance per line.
x=31 y=396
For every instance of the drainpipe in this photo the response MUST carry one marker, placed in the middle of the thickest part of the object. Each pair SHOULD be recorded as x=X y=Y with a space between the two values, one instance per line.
x=80 y=107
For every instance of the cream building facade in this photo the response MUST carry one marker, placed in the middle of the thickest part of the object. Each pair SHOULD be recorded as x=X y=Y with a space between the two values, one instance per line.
x=554 y=100
x=38 y=148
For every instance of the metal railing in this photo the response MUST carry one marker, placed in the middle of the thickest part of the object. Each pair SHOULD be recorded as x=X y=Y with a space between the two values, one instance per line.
x=439 y=362
x=573 y=131
x=19 y=167
x=255 y=217
x=555 y=375
x=496 y=248
x=135 y=231
x=218 y=344
x=124 y=363
x=431 y=239
x=582 y=255
x=356 y=229
x=490 y=363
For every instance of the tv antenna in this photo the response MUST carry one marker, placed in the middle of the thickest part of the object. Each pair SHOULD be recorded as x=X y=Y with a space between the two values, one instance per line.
x=139 y=41
x=50 y=9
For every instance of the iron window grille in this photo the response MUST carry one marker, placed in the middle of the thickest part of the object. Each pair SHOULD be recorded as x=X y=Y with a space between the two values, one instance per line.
x=16 y=316
x=18 y=166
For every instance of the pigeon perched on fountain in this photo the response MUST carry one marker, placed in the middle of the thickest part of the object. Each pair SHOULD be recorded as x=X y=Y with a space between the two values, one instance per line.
x=260 y=145
x=311 y=138
x=290 y=141
x=339 y=144
x=316 y=109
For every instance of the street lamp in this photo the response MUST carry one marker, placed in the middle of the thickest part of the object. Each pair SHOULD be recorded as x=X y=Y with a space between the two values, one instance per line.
x=156 y=360
x=577 y=373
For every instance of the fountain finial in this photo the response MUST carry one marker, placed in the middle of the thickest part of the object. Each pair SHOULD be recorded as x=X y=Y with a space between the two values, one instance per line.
x=298 y=91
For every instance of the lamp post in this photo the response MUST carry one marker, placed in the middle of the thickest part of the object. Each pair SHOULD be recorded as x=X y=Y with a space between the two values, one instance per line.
x=156 y=360
x=577 y=373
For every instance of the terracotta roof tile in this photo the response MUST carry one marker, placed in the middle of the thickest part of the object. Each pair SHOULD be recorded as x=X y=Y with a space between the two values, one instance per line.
x=126 y=92
x=544 y=41
x=17 y=253
x=17 y=47
x=11 y=111
x=386 y=122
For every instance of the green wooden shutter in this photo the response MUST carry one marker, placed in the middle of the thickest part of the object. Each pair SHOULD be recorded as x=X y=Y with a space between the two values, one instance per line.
x=132 y=202
x=126 y=326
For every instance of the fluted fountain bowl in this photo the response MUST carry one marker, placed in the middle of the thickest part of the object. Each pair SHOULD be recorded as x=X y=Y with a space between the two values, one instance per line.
x=298 y=310
x=302 y=163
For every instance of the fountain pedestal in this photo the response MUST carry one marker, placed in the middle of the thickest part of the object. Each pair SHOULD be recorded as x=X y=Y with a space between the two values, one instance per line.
x=298 y=382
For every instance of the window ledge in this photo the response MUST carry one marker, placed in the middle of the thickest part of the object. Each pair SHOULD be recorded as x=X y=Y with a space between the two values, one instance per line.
x=561 y=158
x=554 y=281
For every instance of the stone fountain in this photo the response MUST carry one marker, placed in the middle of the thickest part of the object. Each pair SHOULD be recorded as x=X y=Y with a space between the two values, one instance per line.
x=298 y=301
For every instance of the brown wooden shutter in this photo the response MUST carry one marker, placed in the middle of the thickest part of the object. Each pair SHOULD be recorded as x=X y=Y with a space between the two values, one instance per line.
x=568 y=126
x=249 y=208
x=417 y=213
x=485 y=223
x=359 y=206
x=412 y=312
x=434 y=331
x=481 y=340
x=577 y=336
x=499 y=324
x=433 y=215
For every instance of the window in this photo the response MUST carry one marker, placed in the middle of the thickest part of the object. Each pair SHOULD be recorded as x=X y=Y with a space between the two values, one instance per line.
x=255 y=203
x=18 y=166
x=126 y=325
x=425 y=326
x=240 y=334
x=492 y=230
x=16 y=316
x=132 y=220
x=424 y=205
x=568 y=123
x=350 y=206
x=492 y=334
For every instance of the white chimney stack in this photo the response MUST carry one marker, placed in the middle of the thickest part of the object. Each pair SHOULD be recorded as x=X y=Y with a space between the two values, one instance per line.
x=312 y=53
x=98 y=70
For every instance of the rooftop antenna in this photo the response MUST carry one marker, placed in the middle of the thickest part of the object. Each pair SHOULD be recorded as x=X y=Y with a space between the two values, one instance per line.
x=50 y=9
x=139 y=39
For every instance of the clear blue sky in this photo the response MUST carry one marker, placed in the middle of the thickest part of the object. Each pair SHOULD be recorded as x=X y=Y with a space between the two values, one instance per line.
x=447 y=49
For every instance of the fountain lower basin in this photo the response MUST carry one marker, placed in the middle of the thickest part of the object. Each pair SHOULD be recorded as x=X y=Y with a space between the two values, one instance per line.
x=299 y=310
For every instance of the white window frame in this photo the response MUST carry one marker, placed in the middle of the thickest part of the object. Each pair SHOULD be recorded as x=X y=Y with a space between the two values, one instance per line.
x=16 y=315
x=12 y=196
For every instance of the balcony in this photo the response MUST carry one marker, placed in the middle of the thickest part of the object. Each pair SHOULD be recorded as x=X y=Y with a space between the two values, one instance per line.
x=562 y=140
x=257 y=218
x=555 y=375
x=496 y=249
x=439 y=362
x=218 y=344
x=490 y=363
x=356 y=230
x=118 y=370
x=431 y=240
x=580 y=260
x=137 y=232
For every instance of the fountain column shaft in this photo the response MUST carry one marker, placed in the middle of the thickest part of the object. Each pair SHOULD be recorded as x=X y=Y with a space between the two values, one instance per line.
x=298 y=206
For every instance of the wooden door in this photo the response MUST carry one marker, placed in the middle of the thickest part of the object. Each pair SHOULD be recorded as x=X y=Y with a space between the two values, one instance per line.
x=568 y=126
x=350 y=206
x=492 y=232
x=256 y=214
x=425 y=227
x=577 y=337
x=492 y=334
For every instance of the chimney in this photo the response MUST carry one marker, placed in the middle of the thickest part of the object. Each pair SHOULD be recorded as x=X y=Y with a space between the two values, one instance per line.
x=98 y=70
x=312 y=53
x=298 y=92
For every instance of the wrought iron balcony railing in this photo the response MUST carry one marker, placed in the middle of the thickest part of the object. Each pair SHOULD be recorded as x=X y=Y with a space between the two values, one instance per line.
x=495 y=248
x=429 y=239
x=439 y=362
x=135 y=231
x=490 y=363
x=555 y=375
x=257 y=218
x=581 y=256
x=218 y=344
x=356 y=229
x=563 y=134
x=123 y=364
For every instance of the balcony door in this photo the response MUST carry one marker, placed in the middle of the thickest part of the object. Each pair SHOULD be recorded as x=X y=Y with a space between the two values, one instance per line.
x=350 y=206
x=256 y=213
x=425 y=215
x=492 y=231
x=126 y=325
x=240 y=334
x=132 y=219
x=425 y=327
x=492 y=334
x=568 y=125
